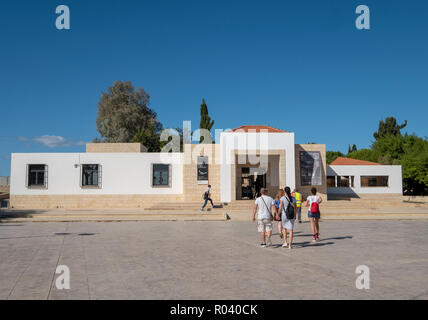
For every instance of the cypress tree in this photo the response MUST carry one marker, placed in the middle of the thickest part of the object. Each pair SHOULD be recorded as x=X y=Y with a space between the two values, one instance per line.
x=206 y=122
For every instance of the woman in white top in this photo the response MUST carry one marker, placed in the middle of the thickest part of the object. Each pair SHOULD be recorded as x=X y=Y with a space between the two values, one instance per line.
x=287 y=224
x=314 y=214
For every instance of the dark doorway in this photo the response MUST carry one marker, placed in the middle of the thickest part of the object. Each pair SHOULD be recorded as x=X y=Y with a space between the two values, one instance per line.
x=252 y=180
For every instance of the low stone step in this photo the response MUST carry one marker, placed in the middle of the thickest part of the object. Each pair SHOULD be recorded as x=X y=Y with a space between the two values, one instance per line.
x=102 y=217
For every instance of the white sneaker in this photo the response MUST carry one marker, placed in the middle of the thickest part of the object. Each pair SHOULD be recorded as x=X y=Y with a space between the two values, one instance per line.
x=290 y=246
x=269 y=242
x=285 y=245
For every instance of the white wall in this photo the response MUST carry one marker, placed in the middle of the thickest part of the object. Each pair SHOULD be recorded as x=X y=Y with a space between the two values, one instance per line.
x=393 y=172
x=122 y=173
x=254 y=141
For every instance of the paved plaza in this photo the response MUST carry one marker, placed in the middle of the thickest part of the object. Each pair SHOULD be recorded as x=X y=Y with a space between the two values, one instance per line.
x=212 y=260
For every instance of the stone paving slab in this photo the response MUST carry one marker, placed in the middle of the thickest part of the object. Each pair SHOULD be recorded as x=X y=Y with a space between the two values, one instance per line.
x=212 y=260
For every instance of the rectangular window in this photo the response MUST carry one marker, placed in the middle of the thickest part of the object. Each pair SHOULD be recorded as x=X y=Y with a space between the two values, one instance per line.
x=91 y=175
x=374 y=181
x=331 y=182
x=161 y=175
x=37 y=176
x=343 y=182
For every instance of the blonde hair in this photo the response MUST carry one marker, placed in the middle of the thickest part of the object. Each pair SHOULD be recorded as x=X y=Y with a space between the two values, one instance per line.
x=280 y=194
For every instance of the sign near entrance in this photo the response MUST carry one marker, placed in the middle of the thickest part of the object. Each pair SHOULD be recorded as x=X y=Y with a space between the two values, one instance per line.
x=310 y=168
x=203 y=169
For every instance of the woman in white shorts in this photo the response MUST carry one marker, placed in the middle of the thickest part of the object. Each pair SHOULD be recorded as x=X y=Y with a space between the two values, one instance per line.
x=287 y=224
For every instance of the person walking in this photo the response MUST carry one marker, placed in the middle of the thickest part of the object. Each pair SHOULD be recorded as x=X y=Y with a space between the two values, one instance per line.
x=263 y=207
x=314 y=214
x=288 y=210
x=207 y=198
x=278 y=215
x=299 y=200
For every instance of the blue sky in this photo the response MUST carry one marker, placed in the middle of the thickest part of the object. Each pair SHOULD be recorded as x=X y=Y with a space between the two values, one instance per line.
x=300 y=66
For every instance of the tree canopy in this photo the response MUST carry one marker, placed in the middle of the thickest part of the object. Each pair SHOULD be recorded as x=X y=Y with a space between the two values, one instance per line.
x=332 y=155
x=206 y=122
x=124 y=116
x=389 y=127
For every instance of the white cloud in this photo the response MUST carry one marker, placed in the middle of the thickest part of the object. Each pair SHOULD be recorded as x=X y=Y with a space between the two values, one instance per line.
x=56 y=141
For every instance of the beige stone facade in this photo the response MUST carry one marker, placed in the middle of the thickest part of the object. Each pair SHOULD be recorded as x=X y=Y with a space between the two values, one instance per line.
x=89 y=201
x=193 y=191
x=114 y=147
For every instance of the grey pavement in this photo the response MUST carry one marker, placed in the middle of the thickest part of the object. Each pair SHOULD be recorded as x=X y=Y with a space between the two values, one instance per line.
x=212 y=260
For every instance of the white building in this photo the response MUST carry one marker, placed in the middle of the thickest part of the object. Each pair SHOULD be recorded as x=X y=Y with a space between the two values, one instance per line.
x=356 y=177
x=246 y=159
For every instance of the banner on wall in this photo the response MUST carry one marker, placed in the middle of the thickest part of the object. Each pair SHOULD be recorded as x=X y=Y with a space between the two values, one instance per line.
x=310 y=168
x=202 y=169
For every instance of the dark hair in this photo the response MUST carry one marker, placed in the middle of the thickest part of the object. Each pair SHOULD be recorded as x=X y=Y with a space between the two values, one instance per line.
x=209 y=186
x=288 y=192
x=314 y=191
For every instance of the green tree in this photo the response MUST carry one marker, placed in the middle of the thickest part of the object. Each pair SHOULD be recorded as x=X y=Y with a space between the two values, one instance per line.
x=123 y=111
x=389 y=148
x=333 y=155
x=414 y=162
x=389 y=127
x=392 y=148
x=206 y=122
x=364 y=154
x=150 y=138
x=353 y=149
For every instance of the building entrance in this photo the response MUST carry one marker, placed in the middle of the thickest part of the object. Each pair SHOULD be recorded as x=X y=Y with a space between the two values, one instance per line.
x=252 y=180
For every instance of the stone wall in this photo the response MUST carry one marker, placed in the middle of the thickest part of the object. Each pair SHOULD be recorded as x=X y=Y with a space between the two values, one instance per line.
x=89 y=201
x=114 y=147
x=192 y=191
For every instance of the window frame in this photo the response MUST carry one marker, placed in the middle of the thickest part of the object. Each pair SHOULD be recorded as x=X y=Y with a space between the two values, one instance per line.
x=368 y=184
x=95 y=186
x=43 y=186
x=337 y=179
x=152 y=176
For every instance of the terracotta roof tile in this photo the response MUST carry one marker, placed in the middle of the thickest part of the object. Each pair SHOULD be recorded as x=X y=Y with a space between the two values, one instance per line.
x=258 y=129
x=341 y=161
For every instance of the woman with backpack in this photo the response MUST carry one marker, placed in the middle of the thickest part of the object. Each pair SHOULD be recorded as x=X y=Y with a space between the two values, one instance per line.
x=288 y=210
x=313 y=202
